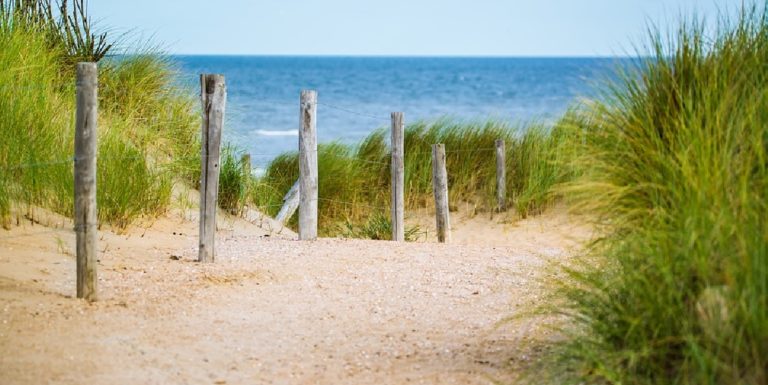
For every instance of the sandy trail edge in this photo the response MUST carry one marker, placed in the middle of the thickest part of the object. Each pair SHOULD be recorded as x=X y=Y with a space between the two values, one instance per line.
x=274 y=310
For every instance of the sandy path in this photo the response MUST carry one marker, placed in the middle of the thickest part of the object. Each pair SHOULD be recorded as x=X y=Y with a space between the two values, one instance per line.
x=275 y=310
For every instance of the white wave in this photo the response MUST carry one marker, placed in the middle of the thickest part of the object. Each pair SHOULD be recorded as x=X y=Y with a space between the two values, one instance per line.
x=277 y=133
x=258 y=171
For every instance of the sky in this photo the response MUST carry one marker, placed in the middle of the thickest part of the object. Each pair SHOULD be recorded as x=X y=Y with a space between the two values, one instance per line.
x=398 y=27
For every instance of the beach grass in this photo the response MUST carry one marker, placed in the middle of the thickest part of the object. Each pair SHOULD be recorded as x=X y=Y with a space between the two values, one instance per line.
x=147 y=126
x=674 y=166
x=354 y=180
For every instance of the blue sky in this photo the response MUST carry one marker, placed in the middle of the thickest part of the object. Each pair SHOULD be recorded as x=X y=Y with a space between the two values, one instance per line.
x=398 y=27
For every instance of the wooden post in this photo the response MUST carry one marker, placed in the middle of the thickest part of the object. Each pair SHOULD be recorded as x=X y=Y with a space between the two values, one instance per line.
x=501 y=175
x=440 y=188
x=308 y=166
x=245 y=163
x=86 y=228
x=213 y=94
x=290 y=204
x=398 y=178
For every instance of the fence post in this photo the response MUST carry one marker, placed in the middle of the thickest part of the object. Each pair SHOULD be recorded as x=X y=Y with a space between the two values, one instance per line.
x=398 y=178
x=440 y=188
x=213 y=94
x=308 y=166
x=86 y=228
x=501 y=175
x=245 y=162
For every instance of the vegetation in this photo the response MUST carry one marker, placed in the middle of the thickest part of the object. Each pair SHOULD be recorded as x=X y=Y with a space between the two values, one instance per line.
x=147 y=128
x=234 y=180
x=675 y=165
x=378 y=226
x=354 y=181
x=148 y=139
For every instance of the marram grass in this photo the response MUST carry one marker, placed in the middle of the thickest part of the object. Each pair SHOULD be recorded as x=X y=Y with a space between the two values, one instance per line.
x=146 y=130
x=674 y=164
x=354 y=181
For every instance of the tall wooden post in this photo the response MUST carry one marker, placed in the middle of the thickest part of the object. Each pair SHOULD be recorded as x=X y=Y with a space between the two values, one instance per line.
x=308 y=166
x=501 y=175
x=86 y=228
x=213 y=94
x=440 y=189
x=398 y=177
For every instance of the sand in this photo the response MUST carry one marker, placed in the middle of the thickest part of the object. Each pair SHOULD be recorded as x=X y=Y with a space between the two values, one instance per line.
x=273 y=310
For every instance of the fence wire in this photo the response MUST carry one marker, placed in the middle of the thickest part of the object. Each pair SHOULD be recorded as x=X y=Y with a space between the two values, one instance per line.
x=111 y=90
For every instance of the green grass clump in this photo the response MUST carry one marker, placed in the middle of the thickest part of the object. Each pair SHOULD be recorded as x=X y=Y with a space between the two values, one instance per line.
x=675 y=166
x=33 y=111
x=128 y=187
x=234 y=180
x=147 y=128
x=378 y=226
x=354 y=181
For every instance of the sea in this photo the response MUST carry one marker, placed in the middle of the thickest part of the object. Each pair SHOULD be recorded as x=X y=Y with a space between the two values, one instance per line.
x=357 y=94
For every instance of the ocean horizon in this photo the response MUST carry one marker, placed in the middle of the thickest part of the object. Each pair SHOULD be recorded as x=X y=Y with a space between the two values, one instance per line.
x=356 y=94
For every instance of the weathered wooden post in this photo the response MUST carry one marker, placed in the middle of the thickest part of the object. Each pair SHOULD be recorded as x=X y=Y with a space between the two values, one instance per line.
x=86 y=225
x=245 y=163
x=440 y=188
x=290 y=204
x=398 y=178
x=501 y=175
x=213 y=94
x=308 y=166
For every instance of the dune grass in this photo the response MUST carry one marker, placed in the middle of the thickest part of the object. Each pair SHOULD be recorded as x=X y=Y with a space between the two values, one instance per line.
x=354 y=181
x=148 y=140
x=147 y=127
x=674 y=164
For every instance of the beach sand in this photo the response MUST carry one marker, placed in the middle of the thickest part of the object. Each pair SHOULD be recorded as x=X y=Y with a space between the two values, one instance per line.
x=273 y=310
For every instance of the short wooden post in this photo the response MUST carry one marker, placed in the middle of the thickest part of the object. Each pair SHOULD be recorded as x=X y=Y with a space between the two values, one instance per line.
x=398 y=177
x=501 y=175
x=245 y=163
x=86 y=228
x=213 y=94
x=308 y=166
x=440 y=188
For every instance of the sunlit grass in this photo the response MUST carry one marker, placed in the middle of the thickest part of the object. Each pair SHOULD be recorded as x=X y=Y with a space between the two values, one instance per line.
x=675 y=166
x=147 y=129
x=354 y=181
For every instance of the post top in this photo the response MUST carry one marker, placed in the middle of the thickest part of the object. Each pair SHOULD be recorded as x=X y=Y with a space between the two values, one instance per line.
x=309 y=94
x=87 y=73
x=210 y=81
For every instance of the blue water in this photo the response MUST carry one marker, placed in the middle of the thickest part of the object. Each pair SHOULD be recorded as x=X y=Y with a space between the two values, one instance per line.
x=357 y=94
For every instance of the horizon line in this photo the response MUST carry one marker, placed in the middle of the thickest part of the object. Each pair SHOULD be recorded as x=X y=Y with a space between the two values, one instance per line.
x=426 y=56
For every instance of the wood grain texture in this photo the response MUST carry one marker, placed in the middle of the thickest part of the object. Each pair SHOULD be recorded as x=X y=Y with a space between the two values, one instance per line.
x=86 y=225
x=501 y=175
x=440 y=189
x=213 y=95
x=398 y=177
x=290 y=204
x=308 y=166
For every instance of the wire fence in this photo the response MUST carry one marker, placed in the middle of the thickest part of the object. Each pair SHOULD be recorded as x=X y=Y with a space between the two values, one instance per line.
x=261 y=160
